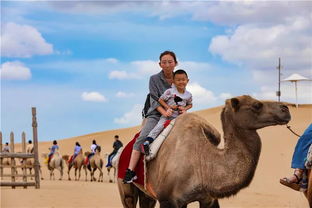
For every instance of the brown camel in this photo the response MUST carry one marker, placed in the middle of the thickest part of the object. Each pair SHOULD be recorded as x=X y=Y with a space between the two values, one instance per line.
x=190 y=167
x=77 y=164
x=96 y=162
x=56 y=162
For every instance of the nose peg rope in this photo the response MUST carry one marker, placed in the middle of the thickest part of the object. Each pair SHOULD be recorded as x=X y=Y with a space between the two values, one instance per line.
x=288 y=127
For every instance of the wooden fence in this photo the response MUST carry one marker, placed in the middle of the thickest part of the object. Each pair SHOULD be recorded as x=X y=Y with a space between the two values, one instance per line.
x=21 y=156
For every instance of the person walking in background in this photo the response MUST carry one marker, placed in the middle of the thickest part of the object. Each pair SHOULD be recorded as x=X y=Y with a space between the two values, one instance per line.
x=175 y=100
x=158 y=83
x=116 y=145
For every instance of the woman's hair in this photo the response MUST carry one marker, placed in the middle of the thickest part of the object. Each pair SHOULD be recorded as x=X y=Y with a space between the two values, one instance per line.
x=54 y=142
x=169 y=53
x=77 y=143
x=29 y=141
x=93 y=142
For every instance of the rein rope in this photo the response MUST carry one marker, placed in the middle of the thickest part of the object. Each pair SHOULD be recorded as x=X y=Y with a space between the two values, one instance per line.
x=292 y=131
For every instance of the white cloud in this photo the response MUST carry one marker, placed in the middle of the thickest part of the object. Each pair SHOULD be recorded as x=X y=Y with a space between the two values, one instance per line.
x=15 y=71
x=133 y=117
x=201 y=96
x=23 y=41
x=224 y=96
x=145 y=67
x=122 y=75
x=93 y=97
x=260 y=47
x=121 y=94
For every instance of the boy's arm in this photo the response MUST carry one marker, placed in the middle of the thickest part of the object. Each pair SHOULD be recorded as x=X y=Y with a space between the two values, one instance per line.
x=164 y=104
x=188 y=107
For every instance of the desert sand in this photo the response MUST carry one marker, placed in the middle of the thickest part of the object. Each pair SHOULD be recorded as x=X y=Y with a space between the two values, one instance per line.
x=264 y=191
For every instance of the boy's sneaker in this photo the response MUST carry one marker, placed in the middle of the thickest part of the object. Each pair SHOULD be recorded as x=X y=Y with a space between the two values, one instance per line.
x=145 y=148
x=129 y=177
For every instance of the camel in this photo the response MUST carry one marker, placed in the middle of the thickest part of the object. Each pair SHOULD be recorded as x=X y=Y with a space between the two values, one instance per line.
x=77 y=163
x=96 y=162
x=190 y=167
x=114 y=163
x=56 y=162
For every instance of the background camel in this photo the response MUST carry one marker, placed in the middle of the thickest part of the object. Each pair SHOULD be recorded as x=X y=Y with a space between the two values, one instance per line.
x=96 y=162
x=56 y=162
x=114 y=162
x=77 y=164
x=111 y=178
x=189 y=166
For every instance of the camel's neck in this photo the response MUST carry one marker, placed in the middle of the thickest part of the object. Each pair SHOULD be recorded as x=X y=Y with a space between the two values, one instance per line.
x=239 y=158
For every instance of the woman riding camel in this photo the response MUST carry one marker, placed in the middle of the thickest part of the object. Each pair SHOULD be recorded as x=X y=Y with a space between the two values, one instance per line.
x=296 y=181
x=158 y=83
x=52 y=150
x=93 y=149
x=76 y=152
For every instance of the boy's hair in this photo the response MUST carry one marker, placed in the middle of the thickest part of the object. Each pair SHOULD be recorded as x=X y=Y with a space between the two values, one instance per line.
x=180 y=71
x=54 y=142
x=116 y=136
x=169 y=53
x=29 y=142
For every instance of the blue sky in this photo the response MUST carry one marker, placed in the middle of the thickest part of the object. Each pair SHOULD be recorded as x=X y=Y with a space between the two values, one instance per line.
x=85 y=65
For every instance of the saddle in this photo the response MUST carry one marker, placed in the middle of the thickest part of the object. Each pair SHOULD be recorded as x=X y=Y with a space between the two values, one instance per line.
x=155 y=146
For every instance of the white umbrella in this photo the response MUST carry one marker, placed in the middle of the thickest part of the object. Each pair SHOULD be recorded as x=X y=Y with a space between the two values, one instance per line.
x=295 y=78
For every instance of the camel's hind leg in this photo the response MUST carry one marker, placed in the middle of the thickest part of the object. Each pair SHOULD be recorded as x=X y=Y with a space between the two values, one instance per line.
x=101 y=175
x=79 y=173
x=68 y=172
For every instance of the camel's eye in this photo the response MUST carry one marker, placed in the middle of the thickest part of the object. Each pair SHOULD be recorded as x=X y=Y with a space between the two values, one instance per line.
x=257 y=106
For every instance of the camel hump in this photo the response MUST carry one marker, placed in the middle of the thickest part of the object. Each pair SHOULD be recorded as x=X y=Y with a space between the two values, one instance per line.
x=192 y=121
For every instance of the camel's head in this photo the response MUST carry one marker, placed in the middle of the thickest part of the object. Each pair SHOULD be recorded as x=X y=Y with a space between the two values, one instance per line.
x=249 y=113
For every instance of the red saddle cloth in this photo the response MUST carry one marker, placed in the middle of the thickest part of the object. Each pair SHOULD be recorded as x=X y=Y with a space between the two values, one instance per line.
x=124 y=161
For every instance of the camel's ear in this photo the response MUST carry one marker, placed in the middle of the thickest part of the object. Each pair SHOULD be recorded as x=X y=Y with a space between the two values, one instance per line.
x=235 y=104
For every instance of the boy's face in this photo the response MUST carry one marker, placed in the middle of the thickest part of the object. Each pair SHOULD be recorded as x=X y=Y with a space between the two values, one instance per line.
x=180 y=81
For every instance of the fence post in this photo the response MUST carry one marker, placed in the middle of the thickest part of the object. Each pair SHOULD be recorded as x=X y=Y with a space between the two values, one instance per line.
x=24 y=159
x=1 y=159
x=13 y=165
x=35 y=140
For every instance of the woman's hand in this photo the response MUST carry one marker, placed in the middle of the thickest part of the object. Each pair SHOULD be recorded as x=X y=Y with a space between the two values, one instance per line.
x=168 y=112
x=174 y=107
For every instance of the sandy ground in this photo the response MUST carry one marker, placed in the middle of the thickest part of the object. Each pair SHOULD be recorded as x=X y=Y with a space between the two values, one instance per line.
x=265 y=191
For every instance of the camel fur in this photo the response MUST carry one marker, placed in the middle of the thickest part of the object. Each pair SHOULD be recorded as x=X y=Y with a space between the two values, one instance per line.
x=77 y=164
x=56 y=162
x=190 y=167
x=96 y=162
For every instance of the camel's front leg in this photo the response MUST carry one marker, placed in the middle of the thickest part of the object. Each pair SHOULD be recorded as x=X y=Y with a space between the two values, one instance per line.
x=68 y=172
x=209 y=203
x=128 y=194
x=30 y=173
x=86 y=173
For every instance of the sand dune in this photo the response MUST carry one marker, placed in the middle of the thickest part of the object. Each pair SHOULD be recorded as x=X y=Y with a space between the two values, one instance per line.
x=265 y=191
